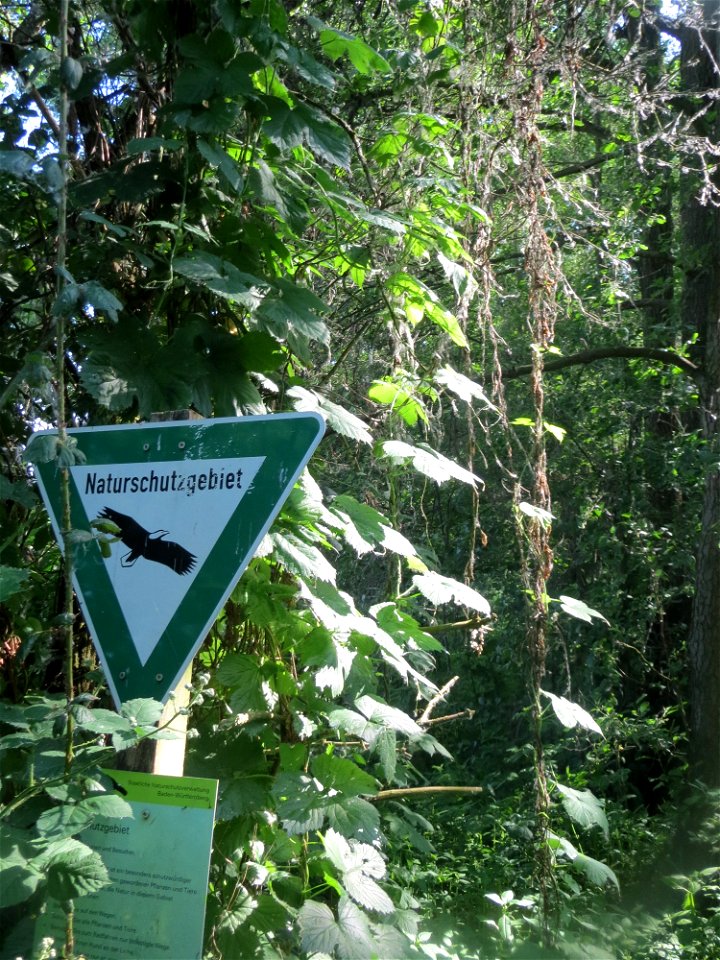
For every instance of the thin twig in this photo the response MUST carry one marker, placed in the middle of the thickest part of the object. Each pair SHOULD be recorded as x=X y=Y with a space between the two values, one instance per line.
x=438 y=698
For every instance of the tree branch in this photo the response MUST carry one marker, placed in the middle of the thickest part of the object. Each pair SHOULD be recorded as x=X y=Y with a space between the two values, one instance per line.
x=555 y=364
x=421 y=791
x=457 y=625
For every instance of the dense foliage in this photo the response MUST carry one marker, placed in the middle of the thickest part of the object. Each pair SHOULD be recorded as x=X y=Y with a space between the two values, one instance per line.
x=465 y=701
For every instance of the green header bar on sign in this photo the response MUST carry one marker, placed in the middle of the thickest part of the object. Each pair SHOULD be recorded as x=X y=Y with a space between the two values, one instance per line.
x=170 y=791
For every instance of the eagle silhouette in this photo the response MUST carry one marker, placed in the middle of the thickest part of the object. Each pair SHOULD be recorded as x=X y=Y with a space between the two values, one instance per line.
x=151 y=546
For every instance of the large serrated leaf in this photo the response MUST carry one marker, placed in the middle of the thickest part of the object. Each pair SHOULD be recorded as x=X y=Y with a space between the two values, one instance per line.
x=596 y=871
x=354 y=817
x=142 y=711
x=104 y=721
x=224 y=163
x=356 y=941
x=404 y=628
x=367 y=528
x=343 y=776
x=580 y=610
x=338 y=417
x=11 y=581
x=348 y=721
x=302 y=558
x=326 y=139
x=427 y=461
x=584 y=808
x=73 y=870
x=380 y=712
x=242 y=675
x=360 y=866
x=337 y=43
x=300 y=802
x=439 y=589
x=572 y=714
x=319 y=931
x=463 y=387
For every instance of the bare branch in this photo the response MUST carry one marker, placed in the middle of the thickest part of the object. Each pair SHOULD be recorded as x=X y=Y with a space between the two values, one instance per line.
x=421 y=792
x=553 y=365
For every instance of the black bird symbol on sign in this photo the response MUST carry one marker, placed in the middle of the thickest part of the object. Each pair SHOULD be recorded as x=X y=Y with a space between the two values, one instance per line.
x=151 y=546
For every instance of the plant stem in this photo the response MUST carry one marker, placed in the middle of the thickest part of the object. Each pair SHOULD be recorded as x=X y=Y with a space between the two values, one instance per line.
x=69 y=948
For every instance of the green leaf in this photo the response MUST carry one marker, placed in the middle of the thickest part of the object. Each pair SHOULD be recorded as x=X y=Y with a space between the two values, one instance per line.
x=222 y=277
x=348 y=721
x=243 y=676
x=301 y=557
x=71 y=73
x=356 y=941
x=18 y=492
x=147 y=144
x=580 y=610
x=63 y=821
x=360 y=865
x=596 y=871
x=142 y=712
x=558 y=432
x=319 y=932
x=338 y=43
x=262 y=183
x=224 y=163
x=104 y=721
x=11 y=581
x=464 y=388
x=16 y=163
x=354 y=817
x=98 y=297
x=338 y=417
x=427 y=461
x=73 y=870
x=419 y=300
x=326 y=139
x=343 y=776
x=21 y=867
x=42 y=448
x=584 y=808
x=439 y=589
x=404 y=628
x=300 y=802
x=395 y=394
x=380 y=712
x=536 y=513
x=365 y=528
x=571 y=714
x=286 y=126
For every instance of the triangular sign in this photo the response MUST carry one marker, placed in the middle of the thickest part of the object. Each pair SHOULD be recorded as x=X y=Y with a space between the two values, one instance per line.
x=192 y=500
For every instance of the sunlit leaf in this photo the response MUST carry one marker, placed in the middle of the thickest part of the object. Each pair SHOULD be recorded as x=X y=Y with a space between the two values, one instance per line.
x=572 y=714
x=583 y=807
x=427 y=461
x=580 y=610
x=439 y=589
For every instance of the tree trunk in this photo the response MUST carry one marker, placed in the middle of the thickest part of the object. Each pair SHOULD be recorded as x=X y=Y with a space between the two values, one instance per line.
x=701 y=311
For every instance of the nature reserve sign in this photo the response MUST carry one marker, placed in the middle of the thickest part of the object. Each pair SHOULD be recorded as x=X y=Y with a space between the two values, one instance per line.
x=190 y=502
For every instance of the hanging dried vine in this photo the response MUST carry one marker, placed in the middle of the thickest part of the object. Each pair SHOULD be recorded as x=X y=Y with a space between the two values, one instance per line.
x=528 y=60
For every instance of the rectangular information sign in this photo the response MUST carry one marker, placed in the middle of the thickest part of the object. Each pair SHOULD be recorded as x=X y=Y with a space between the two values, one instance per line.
x=158 y=863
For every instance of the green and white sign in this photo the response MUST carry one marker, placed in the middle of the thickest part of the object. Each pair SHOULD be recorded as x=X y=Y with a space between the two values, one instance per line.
x=158 y=862
x=192 y=501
